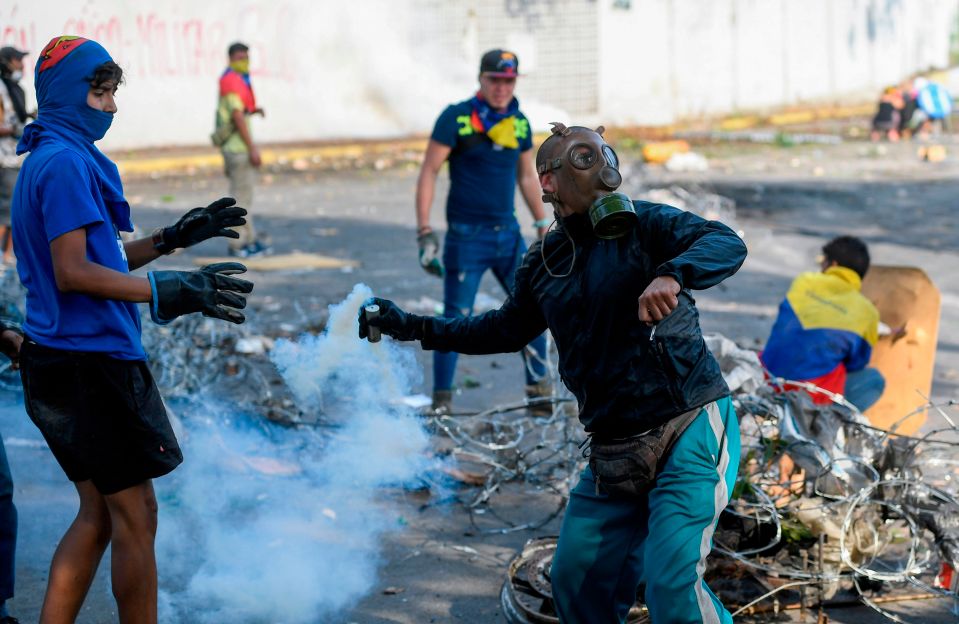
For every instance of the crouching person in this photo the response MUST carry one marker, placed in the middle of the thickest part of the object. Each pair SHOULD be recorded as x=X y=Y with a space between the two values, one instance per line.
x=648 y=388
x=86 y=383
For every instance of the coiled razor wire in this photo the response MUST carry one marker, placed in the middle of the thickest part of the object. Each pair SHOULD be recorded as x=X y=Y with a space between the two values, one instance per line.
x=196 y=355
x=874 y=518
x=516 y=445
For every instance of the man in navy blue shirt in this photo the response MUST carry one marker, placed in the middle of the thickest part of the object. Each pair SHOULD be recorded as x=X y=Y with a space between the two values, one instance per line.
x=489 y=146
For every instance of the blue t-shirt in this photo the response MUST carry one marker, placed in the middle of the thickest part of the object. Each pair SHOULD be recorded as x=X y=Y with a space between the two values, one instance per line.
x=57 y=193
x=482 y=174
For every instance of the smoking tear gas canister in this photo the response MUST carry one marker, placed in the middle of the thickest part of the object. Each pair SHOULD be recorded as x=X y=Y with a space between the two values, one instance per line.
x=372 y=311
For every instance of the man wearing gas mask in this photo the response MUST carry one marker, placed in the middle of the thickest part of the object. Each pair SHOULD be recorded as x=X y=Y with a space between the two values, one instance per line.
x=612 y=285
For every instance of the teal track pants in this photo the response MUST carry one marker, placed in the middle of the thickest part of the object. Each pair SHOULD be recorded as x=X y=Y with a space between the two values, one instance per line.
x=608 y=546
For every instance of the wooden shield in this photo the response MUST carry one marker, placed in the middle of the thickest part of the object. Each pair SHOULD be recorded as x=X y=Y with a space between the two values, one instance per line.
x=905 y=297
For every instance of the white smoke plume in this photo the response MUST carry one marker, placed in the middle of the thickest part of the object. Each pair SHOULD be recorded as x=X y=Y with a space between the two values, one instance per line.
x=268 y=524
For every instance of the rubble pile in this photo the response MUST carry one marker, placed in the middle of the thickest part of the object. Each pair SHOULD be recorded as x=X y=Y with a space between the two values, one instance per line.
x=827 y=503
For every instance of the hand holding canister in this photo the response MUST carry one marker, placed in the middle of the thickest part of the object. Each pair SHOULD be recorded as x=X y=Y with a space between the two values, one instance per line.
x=390 y=320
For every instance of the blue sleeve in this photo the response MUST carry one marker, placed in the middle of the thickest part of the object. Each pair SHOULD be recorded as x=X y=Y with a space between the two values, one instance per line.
x=447 y=127
x=66 y=192
x=859 y=354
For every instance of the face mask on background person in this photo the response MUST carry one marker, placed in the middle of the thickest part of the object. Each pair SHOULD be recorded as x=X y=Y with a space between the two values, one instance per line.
x=241 y=66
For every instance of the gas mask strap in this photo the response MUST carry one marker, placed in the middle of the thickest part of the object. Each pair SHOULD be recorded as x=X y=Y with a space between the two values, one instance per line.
x=542 y=252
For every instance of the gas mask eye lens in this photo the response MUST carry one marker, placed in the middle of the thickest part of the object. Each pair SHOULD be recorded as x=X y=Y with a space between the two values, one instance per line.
x=611 y=158
x=582 y=156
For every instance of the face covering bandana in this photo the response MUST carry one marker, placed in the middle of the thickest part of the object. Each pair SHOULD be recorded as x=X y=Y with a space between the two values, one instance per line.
x=241 y=66
x=499 y=127
x=96 y=122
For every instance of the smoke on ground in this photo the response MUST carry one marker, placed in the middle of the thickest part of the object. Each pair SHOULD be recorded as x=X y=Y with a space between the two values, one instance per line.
x=263 y=523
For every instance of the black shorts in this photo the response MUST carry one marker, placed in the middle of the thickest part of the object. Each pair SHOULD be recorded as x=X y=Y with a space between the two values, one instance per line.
x=103 y=418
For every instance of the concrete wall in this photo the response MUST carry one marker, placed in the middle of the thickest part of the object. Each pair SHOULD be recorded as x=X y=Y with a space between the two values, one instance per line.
x=325 y=69
x=669 y=59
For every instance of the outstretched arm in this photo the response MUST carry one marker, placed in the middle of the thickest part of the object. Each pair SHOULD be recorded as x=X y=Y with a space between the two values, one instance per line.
x=194 y=227
x=75 y=273
x=140 y=252
x=505 y=330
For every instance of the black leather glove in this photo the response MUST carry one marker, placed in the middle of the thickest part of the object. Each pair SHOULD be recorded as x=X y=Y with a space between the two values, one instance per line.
x=210 y=290
x=392 y=321
x=200 y=224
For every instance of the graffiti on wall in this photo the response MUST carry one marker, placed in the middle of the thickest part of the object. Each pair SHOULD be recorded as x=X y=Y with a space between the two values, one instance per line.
x=530 y=11
x=148 y=44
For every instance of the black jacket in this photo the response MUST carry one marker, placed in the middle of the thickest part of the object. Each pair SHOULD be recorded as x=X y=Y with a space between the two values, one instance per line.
x=627 y=377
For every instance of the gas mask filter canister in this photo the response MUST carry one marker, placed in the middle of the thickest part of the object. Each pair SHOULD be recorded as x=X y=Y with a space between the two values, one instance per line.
x=612 y=216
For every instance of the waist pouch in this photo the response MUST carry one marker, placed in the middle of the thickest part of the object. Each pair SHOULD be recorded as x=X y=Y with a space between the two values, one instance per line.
x=628 y=467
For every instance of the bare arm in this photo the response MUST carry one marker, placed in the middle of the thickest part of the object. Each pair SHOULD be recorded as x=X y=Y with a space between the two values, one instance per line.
x=75 y=273
x=529 y=187
x=436 y=155
x=239 y=122
x=140 y=252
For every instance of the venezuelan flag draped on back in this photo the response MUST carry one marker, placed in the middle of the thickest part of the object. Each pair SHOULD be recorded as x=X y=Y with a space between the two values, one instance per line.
x=825 y=328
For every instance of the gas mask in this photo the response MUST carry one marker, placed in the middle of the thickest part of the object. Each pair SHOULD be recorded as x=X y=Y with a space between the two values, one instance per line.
x=587 y=172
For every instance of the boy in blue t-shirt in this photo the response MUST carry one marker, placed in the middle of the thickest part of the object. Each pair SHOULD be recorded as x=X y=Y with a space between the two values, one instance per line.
x=489 y=145
x=85 y=380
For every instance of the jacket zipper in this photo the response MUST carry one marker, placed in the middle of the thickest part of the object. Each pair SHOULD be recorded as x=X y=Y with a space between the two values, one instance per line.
x=659 y=348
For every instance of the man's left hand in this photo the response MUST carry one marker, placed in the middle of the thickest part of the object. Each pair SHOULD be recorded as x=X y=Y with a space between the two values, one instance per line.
x=659 y=299
x=10 y=342
x=202 y=223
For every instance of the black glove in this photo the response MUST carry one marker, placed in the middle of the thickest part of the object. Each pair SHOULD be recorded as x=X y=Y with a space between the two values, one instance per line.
x=210 y=290
x=392 y=321
x=200 y=224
